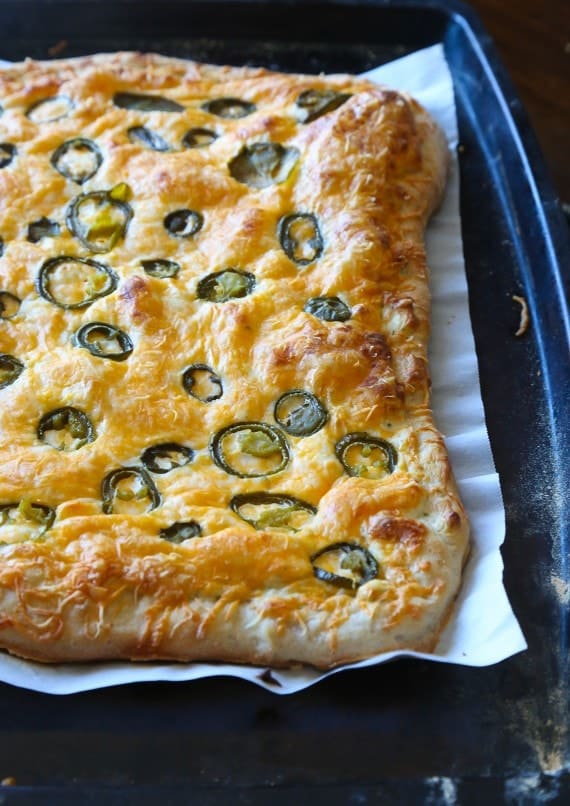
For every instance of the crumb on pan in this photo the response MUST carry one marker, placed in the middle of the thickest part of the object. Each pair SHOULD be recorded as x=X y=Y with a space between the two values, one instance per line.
x=525 y=318
x=58 y=48
x=267 y=677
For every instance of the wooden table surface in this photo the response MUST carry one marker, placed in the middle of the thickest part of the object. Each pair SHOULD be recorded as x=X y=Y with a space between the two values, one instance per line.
x=532 y=38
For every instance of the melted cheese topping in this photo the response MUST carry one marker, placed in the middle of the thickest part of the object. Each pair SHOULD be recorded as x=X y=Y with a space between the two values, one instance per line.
x=261 y=243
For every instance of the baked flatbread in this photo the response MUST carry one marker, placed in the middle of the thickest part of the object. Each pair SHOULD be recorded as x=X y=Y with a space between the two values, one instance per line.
x=215 y=433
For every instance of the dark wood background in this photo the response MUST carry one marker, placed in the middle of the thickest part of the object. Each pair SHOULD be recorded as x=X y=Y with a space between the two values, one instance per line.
x=533 y=41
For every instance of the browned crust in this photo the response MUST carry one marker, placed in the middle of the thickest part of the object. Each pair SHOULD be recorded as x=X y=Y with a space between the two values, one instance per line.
x=106 y=586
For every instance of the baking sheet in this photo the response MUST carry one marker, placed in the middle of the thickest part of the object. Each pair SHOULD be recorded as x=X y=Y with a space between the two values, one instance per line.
x=483 y=629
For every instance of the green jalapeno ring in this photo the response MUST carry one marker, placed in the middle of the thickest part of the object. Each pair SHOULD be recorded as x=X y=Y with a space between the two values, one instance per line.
x=230 y=108
x=180 y=531
x=81 y=338
x=148 y=138
x=9 y=305
x=77 y=144
x=68 y=105
x=151 y=456
x=160 y=268
x=222 y=286
x=274 y=434
x=306 y=419
x=40 y=513
x=189 y=382
x=259 y=499
x=183 y=223
x=67 y=418
x=364 y=439
x=198 y=138
x=112 y=479
x=366 y=565
x=7 y=153
x=83 y=233
x=146 y=103
x=42 y=228
x=260 y=165
x=313 y=103
x=10 y=369
x=290 y=244
x=328 y=309
x=49 y=267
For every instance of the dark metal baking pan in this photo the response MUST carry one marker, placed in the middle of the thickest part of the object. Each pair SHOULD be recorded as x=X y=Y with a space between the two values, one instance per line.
x=410 y=731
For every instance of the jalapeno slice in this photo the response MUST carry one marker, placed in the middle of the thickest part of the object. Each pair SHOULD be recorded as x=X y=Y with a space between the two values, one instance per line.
x=232 y=108
x=184 y=223
x=198 y=138
x=66 y=429
x=146 y=103
x=329 y=309
x=250 y=450
x=7 y=154
x=161 y=268
x=181 y=531
x=140 y=135
x=24 y=520
x=129 y=491
x=10 y=369
x=98 y=219
x=263 y=164
x=104 y=341
x=166 y=457
x=9 y=305
x=42 y=228
x=1 y=246
x=272 y=510
x=300 y=238
x=300 y=413
x=75 y=282
x=359 y=565
x=78 y=159
x=47 y=110
x=225 y=285
x=366 y=456
x=200 y=381
x=311 y=104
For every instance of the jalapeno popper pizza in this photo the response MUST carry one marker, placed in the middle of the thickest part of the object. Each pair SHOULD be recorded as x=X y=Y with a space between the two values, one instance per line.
x=215 y=433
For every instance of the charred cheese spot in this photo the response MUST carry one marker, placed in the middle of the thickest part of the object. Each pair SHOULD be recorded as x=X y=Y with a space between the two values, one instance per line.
x=409 y=532
x=453 y=521
x=413 y=377
x=140 y=302
x=346 y=362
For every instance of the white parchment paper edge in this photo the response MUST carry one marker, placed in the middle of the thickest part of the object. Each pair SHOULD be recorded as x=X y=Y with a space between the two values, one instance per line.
x=482 y=629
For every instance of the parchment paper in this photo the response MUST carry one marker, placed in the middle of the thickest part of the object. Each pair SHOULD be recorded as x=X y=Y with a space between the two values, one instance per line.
x=483 y=629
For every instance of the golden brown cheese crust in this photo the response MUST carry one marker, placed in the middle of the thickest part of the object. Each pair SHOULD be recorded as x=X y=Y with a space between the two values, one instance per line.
x=103 y=583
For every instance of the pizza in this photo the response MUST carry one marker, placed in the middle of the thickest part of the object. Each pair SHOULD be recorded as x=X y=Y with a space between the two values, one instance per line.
x=216 y=440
